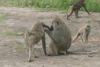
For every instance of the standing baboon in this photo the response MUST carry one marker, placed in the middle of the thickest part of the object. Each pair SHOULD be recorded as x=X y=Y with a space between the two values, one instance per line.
x=33 y=36
x=83 y=33
x=60 y=35
x=76 y=6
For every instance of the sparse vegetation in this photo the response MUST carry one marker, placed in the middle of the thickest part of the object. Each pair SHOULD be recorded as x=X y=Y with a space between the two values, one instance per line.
x=92 y=5
x=20 y=47
x=8 y=33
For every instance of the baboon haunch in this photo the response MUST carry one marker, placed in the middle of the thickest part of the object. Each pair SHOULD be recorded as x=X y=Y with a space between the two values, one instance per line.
x=60 y=35
x=33 y=36
x=83 y=33
x=76 y=6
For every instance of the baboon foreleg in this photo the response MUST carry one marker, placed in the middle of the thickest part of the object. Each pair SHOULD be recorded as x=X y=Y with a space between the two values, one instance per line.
x=81 y=37
x=31 y=48
x=87 y=38
x=77 y=14
x=49 y=33
x=86 y=10
x=70 y=13
x=84 y=36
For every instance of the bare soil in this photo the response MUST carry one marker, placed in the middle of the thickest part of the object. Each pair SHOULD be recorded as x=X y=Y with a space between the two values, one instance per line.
x=23 y=18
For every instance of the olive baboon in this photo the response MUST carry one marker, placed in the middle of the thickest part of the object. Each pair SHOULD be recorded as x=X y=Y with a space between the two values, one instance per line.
x=83 y=33
x=48 y=6
x=33 y=36
x=76 y=6
x=60 y=35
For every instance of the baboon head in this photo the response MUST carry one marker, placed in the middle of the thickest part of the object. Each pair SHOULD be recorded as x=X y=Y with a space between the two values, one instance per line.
x=87 y=27
x=56 y=24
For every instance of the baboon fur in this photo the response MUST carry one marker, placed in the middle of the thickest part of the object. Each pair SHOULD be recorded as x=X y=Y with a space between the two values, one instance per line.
x=60 y=35
x=33 y=36
x=76 y=6
x=83 y=32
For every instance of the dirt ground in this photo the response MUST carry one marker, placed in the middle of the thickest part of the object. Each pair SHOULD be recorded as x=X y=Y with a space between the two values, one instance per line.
x=23 y=18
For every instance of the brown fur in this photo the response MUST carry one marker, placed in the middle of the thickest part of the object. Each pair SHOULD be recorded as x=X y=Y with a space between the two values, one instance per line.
x=83 y=33
x=60 y=35
x=33 y=36
x=75 y=7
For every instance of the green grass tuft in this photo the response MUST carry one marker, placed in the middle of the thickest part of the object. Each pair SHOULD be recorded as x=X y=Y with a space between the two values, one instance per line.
x=20 y=47
x=92 y=5
x=8 y=33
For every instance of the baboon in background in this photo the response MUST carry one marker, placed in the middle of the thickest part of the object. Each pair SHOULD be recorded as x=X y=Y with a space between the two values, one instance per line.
x=76 y=6
x=60 y=35
x=83 y=33
x=33 y=36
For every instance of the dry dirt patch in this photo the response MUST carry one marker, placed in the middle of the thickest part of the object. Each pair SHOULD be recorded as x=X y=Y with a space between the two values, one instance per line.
x=23 y=18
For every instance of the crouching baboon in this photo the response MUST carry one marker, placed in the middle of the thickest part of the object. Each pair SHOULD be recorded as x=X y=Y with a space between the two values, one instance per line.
x=83 y=33
x=33 y=36
x=76 y=6
x=60 y=36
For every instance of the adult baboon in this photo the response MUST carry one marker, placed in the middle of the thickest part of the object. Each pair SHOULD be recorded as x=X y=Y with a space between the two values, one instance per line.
x=60 y=35
x=33 y=36
x=83 y=33
x=76 y=6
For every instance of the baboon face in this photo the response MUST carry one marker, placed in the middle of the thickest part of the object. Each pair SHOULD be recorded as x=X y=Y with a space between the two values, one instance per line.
x=55 y=25
x=88 y=28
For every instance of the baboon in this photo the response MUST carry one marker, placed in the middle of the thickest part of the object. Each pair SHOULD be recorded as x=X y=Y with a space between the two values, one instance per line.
x=48 y=6
x=60 y=36
x=83 y=33
x=33 y=36
x=76 y=6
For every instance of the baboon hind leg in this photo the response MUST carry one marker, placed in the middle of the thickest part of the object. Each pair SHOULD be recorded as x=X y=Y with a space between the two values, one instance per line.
x=86 y=10
x=76 y=37
x=70 y=13
x=31 y=48
x=54 y=50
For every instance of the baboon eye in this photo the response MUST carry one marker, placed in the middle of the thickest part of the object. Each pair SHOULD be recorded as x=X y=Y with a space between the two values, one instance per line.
x=57 y=22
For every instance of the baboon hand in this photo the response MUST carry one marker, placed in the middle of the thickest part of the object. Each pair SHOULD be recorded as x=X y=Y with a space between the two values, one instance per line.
x=45 y=29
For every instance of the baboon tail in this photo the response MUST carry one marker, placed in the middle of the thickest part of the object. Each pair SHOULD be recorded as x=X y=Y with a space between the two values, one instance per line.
x=26 y=40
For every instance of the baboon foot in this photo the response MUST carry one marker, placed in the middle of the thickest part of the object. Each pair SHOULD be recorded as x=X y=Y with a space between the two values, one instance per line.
x=36 y=56
x=51 y=54
x=68 y=18
x=29 y=60
x=89 y=14
x=78 y=17
x=61 y=54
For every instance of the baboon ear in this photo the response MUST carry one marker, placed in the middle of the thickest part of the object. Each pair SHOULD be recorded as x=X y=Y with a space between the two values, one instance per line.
x=57 y=22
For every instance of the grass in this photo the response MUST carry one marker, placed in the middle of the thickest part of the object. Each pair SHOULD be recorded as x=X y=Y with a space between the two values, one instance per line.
x=92 y=5
x=3 y=16
x=8 y=33
x=20 y=47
